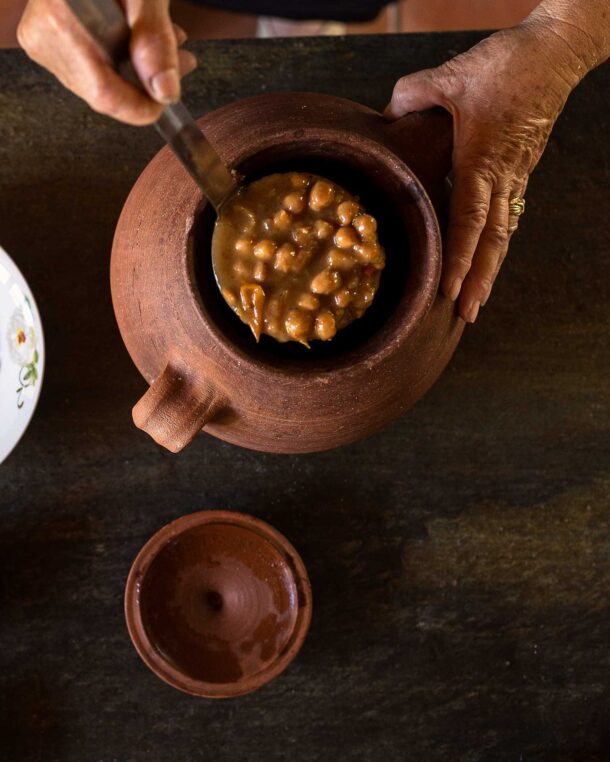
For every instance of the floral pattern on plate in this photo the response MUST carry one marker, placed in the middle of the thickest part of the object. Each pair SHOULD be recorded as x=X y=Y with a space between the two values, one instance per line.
x=22 y=346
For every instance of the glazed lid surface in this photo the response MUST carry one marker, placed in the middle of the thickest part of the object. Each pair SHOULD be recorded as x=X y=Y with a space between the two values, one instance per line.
x=218 y=603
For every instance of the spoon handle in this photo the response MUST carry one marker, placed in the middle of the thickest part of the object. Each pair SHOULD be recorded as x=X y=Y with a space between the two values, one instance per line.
x=180 y=130
x=106 y=23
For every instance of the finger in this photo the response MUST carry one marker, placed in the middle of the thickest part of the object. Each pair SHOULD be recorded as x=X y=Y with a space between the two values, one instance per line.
x=518 y=192
x=45 y=33
x=153 y=48
x=469 y=205
x=513 y=220
x=415 y=92
x=108 y=93
x=58 y=41
x=83 y=68
x=491 y=250
x=186 y=62
x=180 y=35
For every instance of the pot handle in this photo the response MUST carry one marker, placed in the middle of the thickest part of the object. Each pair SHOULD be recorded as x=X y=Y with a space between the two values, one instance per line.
x=176 y=407
x=424 y=140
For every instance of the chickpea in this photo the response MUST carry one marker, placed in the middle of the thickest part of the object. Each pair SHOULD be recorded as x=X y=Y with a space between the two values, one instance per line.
x=241 y=269
x=320 y=195
x=299 y=181
x=243 y=246
x=302 y=234
x=346 y=211
x=326 y=327
x=285 y=258
x=264 y=250
x=297 y=324
x=244 y=219
x=282 y=220
x=353 y=282
x=365 y=297
x=368 y=274
x=229 y=297
x=274 y=307
x=326 y=282
x=367 y=252
x=345 y=238
x=308 y=302
x=338 y=260
x=261 y=271
x=272 y=318
x=323 y=229
x=301 y=259
x=342 y=297
x=294 y=202
x=365 y=225
x=272 y=326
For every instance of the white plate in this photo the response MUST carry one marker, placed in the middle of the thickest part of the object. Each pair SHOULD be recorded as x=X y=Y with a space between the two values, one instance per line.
x=21 y=354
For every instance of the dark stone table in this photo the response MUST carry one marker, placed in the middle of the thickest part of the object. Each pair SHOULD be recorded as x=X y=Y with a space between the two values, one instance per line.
x=460 y=559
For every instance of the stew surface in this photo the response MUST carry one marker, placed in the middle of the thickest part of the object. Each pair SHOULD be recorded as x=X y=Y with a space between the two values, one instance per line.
x=296 y=257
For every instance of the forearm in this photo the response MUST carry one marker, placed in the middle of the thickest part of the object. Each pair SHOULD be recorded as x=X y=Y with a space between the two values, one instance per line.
x=581 y=26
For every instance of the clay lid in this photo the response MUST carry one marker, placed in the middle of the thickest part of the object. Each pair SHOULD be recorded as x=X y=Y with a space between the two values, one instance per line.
x=218 y=603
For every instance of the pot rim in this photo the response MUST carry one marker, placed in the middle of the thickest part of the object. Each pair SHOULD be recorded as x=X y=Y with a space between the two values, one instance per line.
x=161 y=666
x=410 y=311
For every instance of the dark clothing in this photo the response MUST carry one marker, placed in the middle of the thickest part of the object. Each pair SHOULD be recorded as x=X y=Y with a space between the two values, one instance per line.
x=335 y=10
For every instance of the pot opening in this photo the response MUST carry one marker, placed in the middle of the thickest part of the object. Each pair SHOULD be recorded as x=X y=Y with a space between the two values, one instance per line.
x=390 y=197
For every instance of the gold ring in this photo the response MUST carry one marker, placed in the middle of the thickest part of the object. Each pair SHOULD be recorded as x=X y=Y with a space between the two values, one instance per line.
x=516 y=206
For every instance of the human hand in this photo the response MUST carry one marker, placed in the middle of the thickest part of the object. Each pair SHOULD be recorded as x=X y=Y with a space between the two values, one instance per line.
x=53 y=37
x=504 y=95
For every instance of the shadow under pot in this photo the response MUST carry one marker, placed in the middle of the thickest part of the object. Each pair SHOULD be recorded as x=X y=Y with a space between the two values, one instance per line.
x=204 y=369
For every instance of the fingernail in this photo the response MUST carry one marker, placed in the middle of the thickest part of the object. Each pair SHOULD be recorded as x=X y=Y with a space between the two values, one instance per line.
x=472 y=312
x=454 y=291
x=166 y=86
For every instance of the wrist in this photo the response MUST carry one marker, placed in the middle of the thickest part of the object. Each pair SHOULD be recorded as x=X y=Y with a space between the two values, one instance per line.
x=579 y=29
x=557 y=49
x=560 y=69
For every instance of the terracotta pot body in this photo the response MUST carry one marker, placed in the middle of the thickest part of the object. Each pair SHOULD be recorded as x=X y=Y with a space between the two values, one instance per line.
x=204 y=369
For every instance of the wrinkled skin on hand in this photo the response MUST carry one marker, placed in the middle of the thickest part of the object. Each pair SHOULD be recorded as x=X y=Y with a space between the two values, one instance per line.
x=53 y=37
x=504 y=95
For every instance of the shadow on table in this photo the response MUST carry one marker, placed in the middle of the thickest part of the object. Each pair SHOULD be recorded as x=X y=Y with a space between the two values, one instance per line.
x=30 y=728
x=39 y=562
x=353 y=560
x=37 y=559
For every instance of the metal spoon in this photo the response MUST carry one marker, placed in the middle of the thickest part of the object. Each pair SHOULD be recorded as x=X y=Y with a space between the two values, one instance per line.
x=106 y=23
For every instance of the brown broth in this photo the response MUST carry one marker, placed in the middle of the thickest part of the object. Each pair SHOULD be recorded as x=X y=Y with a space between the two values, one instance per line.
x=296 y=257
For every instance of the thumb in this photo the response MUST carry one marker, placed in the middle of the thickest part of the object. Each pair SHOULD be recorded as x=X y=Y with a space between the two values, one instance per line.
x=415 y=92
x=154 y=49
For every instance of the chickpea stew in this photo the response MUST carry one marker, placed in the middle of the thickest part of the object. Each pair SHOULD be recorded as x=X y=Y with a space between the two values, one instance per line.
x=296 y=257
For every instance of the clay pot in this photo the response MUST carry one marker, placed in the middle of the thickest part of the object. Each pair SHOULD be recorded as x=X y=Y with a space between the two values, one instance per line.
x=218 y=603
x=204 y=369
